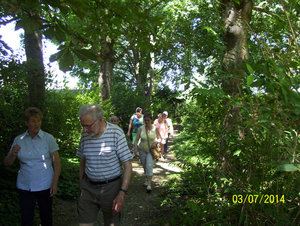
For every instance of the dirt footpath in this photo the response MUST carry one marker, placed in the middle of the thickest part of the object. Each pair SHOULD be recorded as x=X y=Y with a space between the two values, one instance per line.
x=140 y=208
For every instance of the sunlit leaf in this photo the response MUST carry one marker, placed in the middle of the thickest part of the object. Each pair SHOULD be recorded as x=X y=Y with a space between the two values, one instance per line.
x=237 y=153
x=250 y=80
x=287 y=167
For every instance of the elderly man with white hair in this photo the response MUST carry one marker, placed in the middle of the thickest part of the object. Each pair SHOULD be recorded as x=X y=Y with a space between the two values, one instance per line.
x=103 y=152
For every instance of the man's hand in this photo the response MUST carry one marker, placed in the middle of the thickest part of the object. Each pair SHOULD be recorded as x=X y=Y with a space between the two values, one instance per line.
x=118 y=203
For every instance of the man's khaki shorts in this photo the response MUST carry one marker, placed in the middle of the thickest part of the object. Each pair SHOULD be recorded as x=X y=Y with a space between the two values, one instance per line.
x=96 y=197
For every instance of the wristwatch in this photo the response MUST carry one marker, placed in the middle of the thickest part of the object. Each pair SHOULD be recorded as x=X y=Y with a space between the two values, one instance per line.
x=123 y=191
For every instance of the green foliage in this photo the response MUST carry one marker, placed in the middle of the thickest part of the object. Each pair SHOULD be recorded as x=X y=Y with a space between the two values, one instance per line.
x=257 y=154
x=9 y=203
x=164 y=99
x=125 y=101
x=265 y=162
x=68 y=186
x=13 y=101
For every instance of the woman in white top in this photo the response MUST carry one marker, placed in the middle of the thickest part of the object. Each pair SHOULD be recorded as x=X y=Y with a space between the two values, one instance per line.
x=170 y=133
x=40 y=168
x=162 y=127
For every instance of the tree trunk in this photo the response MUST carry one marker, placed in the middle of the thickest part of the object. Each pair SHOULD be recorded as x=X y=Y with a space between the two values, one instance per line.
x=144 y=69
x=237 y=19
x=151 y=68
x=106 y=67
x=35 y=65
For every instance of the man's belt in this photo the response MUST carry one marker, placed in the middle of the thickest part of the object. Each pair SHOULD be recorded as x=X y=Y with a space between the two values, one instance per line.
x=104 y=181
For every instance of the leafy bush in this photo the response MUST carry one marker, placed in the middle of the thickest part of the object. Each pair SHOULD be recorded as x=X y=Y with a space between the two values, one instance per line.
x=69 y=178
x=220 y=164
x=165 y=99
x=125 y=101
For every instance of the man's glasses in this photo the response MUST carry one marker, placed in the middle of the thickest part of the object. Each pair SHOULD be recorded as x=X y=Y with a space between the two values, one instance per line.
x=89 y=126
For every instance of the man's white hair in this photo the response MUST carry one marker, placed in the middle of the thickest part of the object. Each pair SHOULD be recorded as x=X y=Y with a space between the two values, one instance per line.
x=93 y=110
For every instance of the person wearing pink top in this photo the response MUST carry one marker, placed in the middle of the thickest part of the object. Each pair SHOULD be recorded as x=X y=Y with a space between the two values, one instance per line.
x=162 y=127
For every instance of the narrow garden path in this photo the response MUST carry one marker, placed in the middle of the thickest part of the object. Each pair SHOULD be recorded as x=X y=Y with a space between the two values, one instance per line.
x=140 y=208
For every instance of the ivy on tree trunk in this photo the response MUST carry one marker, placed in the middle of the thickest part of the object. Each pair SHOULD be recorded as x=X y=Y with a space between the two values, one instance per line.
x=237 y=18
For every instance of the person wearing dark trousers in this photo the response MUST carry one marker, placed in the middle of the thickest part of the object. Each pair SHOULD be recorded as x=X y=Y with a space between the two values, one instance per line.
x=170 y=130
x=37 y=180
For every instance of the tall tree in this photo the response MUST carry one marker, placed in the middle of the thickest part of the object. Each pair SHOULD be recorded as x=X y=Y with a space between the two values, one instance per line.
x=34 y=17
x=237 y=18
x=34 y=54
x=29 y=19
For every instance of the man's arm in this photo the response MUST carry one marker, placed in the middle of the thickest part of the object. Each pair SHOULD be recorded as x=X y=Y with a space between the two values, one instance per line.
x=126 y=175
x=81 y=173
x=119 y=200
x=57 y=170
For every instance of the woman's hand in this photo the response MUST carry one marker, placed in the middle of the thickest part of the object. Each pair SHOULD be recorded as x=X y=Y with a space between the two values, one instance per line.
x=15 y=150
x=136 y=153
x=12 y=154
x=53 y=190
x=154 y=145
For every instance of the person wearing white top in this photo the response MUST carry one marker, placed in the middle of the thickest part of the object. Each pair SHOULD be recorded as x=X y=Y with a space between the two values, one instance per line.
x=170 y=130
x=40 y=168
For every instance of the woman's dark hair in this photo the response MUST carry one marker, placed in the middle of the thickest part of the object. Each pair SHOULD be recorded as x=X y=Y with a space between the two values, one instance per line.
x=32 y=111
x=148 y=115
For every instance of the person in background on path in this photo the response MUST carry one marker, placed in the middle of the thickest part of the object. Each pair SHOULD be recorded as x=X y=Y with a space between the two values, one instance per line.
x=170 y=130
x=114 y=120
x=147 y=135
x=136 y=121
x=36 y=151
x=102 y=151
x=162 y=127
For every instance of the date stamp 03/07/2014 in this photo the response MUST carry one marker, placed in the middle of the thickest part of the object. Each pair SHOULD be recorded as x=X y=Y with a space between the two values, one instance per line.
x=249 y=198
